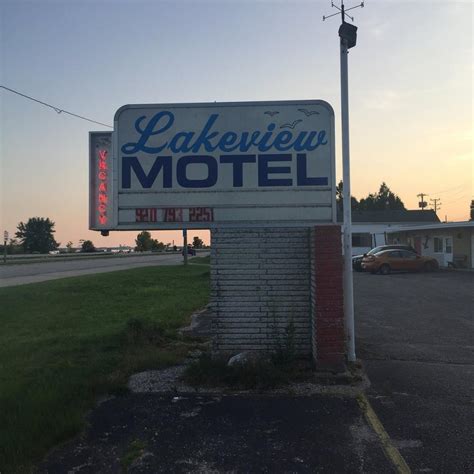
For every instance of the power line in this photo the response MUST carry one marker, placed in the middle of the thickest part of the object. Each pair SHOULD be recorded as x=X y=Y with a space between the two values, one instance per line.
x=56 y=109
x=465 y=196
x=456 y=189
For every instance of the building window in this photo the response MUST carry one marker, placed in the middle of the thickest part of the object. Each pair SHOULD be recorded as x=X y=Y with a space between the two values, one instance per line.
x=438 y=245
x=449 y=245
x=362 y=240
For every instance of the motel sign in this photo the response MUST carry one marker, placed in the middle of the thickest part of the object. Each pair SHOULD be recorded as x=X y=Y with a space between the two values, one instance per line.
x=211 y=165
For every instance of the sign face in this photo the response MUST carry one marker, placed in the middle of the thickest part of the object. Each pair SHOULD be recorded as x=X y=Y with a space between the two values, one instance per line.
x=229 y=164
x=100 y=181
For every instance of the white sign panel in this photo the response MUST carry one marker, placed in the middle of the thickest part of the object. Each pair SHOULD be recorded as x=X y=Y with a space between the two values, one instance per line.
x=227 y=164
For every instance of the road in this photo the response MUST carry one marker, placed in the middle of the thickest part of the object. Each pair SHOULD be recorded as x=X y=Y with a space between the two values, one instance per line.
x=416 y=338
x=24 y=273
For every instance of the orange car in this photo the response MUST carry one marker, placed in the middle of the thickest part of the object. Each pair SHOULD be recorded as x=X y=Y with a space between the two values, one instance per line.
x=398 y=260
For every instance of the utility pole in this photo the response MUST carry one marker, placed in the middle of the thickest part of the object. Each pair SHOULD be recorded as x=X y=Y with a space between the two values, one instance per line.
x=348 y=39
x=435 y=204
x=422 y=202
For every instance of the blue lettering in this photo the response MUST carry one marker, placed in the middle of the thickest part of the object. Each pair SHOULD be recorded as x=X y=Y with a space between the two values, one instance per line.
x=301 y=172
x=147 y=132
x=264 y=170
x=238 y=161
x=203 y=139
x=283 y=141
x=146 y=180
x=209 y=140
x=263 y=144
x=207 y=160
x=184 y=146
x=321 y=137
x=226 y=143
x=301 y=145
x=245 y=143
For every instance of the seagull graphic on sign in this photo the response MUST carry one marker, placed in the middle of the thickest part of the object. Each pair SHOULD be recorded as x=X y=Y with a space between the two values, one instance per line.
x=308 y=113
x=291 y=125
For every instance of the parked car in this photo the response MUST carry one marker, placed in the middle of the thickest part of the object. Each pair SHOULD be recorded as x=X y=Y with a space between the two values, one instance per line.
x=357 y=259
x=398 y=260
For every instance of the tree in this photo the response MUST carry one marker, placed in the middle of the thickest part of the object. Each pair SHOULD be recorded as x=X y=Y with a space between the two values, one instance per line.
x=88 y=246
x=197 y=242
x=69 y=247
x=340 y=198
x=37 y=235
x=383 y=200
x=157 y=245
x=143 y=242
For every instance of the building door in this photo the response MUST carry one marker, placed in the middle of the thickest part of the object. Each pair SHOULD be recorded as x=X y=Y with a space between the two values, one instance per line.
x=418 y=245
x=448 y=250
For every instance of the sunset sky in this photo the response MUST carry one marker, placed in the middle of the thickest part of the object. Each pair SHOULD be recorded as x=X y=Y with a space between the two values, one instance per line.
x=410 y=89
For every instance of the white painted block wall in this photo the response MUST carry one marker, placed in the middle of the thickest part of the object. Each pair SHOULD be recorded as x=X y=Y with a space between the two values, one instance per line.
x=260 y=281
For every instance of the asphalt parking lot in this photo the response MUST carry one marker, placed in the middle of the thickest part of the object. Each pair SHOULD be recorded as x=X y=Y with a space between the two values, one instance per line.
x=415 y=337
x=415 y=334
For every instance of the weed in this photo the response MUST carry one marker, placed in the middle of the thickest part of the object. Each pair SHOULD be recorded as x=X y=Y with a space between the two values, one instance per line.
x=134 y=451
x=285 y=352
x=259 y=373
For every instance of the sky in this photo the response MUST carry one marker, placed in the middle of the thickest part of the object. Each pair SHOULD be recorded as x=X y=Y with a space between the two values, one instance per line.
x=410 y=89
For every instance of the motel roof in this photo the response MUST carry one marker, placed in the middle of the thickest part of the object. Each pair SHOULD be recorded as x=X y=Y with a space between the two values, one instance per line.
x=391 y=216
x=439 y=226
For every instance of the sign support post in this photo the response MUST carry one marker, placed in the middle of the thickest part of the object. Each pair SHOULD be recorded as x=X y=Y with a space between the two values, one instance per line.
x=5 y=239
x=185 y=246
x=348 y=39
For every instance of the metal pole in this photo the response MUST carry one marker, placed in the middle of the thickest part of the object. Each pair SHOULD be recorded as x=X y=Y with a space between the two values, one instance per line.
x=5 y=251
x=346 y=178
x=185 y=246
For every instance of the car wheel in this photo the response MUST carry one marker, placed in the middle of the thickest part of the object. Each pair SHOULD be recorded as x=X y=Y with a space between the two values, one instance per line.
x=385 y=269
x=429 y=267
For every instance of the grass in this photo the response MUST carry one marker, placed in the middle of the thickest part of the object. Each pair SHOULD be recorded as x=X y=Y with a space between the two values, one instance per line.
x=66 y=342
x=201 y=260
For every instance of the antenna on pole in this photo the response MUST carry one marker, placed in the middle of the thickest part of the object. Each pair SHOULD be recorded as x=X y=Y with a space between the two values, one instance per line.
x=343 y=11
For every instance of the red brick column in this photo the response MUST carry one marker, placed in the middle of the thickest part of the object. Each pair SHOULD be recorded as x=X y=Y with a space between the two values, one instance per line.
x=328 y=299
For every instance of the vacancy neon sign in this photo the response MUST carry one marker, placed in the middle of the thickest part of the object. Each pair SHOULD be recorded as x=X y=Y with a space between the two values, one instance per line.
x=100 y=172
x=102 y=195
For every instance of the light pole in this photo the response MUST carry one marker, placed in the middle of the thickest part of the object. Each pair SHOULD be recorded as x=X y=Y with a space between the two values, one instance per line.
x=348 y=39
